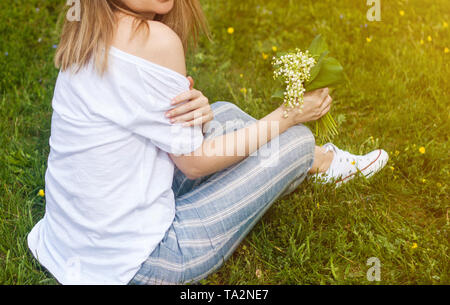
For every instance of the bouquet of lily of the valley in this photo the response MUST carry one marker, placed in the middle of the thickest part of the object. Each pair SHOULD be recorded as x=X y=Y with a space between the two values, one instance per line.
x=302 y=72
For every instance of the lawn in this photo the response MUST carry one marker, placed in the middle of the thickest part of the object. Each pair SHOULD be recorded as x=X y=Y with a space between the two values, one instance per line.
x=396 y=97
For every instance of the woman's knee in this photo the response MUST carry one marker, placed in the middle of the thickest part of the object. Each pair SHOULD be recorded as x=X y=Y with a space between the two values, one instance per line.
x=222 y=107
x=227 y=118
x=218 y=105
x=304 y=143
x=224 y=111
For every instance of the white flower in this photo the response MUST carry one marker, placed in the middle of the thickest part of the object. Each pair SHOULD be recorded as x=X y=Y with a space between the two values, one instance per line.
x=295 y=69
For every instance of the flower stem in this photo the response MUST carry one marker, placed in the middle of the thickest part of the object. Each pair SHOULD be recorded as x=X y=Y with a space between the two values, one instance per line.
x=326 y=128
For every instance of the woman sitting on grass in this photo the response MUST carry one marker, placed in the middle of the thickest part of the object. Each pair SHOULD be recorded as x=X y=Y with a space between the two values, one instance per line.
x=135 y=192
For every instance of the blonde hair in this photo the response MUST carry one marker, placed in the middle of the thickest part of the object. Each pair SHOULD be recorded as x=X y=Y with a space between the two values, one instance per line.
x=92 y=36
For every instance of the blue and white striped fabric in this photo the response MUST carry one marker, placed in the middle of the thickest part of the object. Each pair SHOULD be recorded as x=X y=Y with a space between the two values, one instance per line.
x=215 y=213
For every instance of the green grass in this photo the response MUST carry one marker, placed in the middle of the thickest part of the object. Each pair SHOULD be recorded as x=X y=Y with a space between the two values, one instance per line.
x=396 y=97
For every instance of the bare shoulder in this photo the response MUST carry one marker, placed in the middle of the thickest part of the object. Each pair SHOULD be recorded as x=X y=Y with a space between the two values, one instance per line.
x=160 y=44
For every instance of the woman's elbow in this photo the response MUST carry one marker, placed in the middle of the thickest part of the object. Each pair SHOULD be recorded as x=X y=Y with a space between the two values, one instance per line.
x=191 y=171
x=191 y=167
x=193 y=174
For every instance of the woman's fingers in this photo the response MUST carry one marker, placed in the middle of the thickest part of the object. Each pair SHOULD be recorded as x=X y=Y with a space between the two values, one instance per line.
x=324 y=95
x=329 y=101
x=185 y=108
x=195 y=103
x=200 y=121
x=192 y=115
x=325 y=111
x=186 y=96
x=195 y=109
x=326 y=102
x=191 y=82
x=326 y=107
x=323 y=108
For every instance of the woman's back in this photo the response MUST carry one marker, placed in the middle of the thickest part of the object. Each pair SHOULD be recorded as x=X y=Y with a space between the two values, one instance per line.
x=109 y=200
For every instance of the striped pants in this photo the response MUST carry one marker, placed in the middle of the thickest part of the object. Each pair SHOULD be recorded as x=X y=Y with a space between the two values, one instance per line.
x=215 y=213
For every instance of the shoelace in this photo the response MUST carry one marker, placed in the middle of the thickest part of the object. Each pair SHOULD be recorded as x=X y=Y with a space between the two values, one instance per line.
x=342 y=154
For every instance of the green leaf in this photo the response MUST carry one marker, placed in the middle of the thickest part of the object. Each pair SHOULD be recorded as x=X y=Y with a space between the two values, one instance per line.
x=279 y=95
x=317 y=67
x=331 y=74
x=279 y=54
x=318 y=46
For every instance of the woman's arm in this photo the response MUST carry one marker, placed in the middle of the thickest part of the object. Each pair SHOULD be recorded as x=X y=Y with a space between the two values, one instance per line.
x=224 y=151
x=162 y=46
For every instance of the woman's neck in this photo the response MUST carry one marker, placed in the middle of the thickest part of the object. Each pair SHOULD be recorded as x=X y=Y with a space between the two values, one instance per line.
x=149 y=16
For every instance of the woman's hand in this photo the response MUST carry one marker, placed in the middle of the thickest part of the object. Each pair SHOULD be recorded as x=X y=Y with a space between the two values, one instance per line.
x=316 y=104
x=196 y=112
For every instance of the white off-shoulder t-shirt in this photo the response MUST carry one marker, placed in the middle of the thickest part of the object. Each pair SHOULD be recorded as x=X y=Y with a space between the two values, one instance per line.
x=109 y=200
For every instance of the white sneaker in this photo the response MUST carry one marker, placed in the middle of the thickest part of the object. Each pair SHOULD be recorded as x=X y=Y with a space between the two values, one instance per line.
x=346 y=166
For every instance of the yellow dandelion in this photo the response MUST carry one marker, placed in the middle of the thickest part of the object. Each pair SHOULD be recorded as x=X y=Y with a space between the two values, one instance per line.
x=318 y=205
x=429 y=38
x=41 y=193
x=265 y=56
x=422 y=150
x=274 y=48
x=354 y=162
x=392 y=168
x=244 y=90
x=446 y=50
x=444 y=24
x=230 y=30
x=402 y=13
x=421 y=41
x=368 y=39
x=414 y=246
x=241 y=75
x=424 y=180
